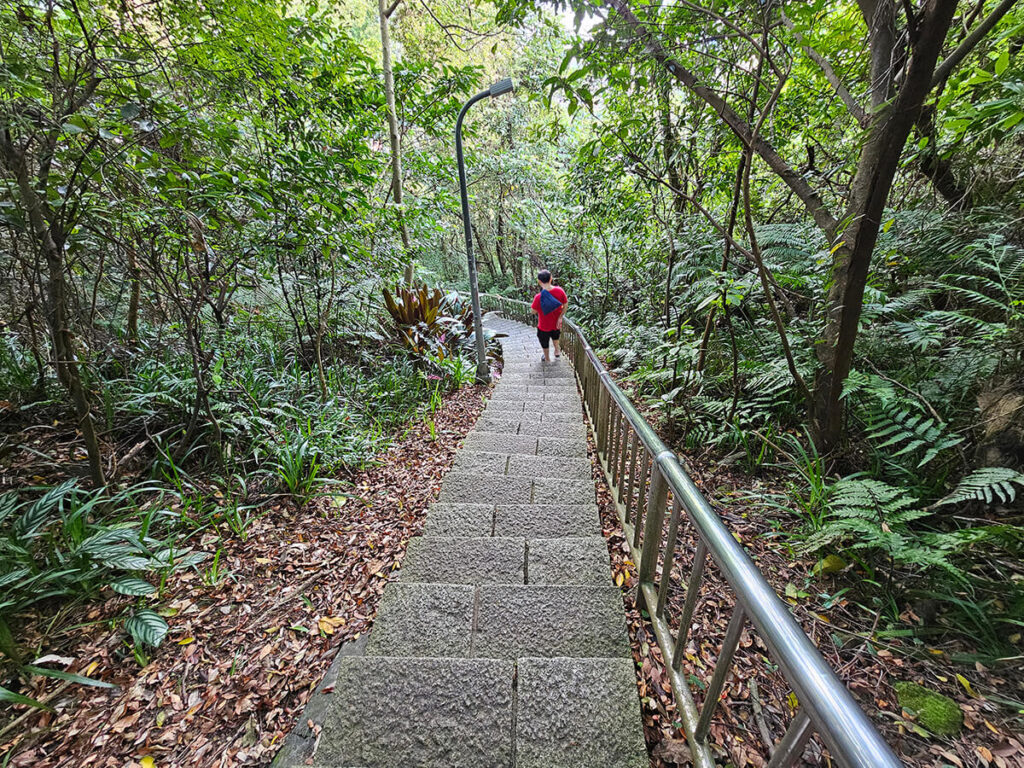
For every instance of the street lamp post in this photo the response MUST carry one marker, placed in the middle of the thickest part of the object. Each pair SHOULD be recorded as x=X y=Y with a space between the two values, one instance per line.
x=501 y=87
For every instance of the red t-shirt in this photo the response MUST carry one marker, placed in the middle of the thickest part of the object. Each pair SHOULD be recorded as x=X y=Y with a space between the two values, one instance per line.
x=549 y=322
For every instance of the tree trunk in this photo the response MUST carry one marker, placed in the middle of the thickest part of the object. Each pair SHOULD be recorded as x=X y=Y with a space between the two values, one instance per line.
x=393 y=135
x=49 y=239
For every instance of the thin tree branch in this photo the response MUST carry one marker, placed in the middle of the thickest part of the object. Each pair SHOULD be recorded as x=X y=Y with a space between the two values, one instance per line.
x=792 y=178
x=852 y=105
x=945 y=69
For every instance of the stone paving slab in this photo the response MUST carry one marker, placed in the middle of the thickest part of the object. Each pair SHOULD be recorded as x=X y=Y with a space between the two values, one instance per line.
x=546 y=520
x=546 y=466
x=578 y=713
x=561 y=446
x=461 y=560
x=428 y=713
x=554 y=396
x=459 y=520
x=514 y=622
x=423 y=620
x=577 y=560
x=498 y=442
x=573 y=431
x=549 y=490
x=505 y=406
x=484 y=462
x=486 y=489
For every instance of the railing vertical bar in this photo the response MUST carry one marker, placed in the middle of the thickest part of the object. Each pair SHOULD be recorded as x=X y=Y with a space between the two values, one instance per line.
x=653 y=524
x=641 y=503
x=615 y=422
x=632 y=475
x=602 y=422
x=692 y=591
x=732 y=639
x=669 y=557
x=620 y=482
x=791 y=746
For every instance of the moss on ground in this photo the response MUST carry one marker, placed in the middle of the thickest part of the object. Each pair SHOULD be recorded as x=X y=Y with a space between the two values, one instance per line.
x=939 y=714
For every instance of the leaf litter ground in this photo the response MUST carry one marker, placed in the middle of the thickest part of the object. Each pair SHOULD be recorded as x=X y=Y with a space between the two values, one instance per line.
x=245 y=651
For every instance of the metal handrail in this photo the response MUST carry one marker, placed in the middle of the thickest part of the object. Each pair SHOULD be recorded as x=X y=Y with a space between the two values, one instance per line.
x=641 y=470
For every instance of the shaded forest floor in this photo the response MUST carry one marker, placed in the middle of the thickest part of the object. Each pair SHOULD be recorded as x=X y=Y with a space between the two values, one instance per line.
x=251 y=638
x=757 y=705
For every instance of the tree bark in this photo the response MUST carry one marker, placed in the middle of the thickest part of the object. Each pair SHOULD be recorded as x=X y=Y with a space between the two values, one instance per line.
x=393 y=135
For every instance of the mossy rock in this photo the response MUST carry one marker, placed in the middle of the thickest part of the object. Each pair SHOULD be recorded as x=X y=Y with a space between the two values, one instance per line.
x=939 y=714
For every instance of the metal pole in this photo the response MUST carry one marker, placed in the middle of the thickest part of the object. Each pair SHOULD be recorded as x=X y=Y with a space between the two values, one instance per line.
x=483 y=374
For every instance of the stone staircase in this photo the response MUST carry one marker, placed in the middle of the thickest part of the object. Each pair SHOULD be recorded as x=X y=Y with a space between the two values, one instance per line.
x=503 y=642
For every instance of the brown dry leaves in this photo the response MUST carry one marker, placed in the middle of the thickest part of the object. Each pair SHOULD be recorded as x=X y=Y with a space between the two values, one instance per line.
x=244 y=654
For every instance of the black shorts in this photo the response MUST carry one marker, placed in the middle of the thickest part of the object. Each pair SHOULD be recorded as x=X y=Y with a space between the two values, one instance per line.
x=545 y=335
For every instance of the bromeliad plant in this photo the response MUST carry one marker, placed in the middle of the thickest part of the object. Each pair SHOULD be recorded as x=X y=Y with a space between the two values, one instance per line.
x=434 y=326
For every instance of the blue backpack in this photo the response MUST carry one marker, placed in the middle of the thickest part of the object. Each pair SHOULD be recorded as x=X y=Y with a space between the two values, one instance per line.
x=548 y=303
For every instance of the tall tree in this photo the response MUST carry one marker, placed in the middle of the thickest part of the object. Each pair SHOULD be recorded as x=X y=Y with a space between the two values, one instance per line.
x=394 y=137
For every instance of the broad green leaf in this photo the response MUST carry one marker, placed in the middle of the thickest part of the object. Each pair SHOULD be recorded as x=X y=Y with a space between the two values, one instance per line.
x=147 y=627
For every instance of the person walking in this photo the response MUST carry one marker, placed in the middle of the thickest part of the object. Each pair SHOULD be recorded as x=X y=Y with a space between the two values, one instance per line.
x=549 y=305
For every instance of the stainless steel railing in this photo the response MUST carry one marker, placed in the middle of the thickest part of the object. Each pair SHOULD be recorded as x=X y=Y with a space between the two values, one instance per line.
x=642 y=471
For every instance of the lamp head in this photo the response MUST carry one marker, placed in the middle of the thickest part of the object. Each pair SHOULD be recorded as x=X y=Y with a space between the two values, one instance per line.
x=502 y=87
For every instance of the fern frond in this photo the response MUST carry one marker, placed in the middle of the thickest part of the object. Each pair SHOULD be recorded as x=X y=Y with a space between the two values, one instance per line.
x=987 y=485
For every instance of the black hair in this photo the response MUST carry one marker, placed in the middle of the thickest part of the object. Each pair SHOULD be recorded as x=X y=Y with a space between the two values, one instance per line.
x=544 y=276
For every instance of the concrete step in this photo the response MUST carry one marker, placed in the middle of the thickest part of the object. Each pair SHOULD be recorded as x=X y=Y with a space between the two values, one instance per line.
x=430 y=620
x=422 y=712
x=518 y=621
x=522 y=521
x=548 y=466
x=445 y=519
x=570 y=561
x=545 y=520
x=500 y=621
x=523 y=465
x=578 y=713
x=500 y=442
x=460 y=486
x=463 y=560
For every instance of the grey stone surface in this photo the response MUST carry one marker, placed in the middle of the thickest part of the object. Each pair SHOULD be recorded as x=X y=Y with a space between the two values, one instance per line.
x=562 y=419
x=447 y=560
x=428 y=713
x=459 y=520
x=546 y=520
x=481 y=461
x=423 y=620
x=572 y=431
x=476 y=488
x=504 y=406
x=579 y=560
x=549 y=490
x=548 y=466
x=553 y=397
x=578 y=713
x=561 y=446
x=499 y=442
x=508 y=424
x=513 y=622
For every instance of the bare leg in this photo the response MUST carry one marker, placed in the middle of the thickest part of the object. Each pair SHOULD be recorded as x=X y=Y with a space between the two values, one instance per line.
x=558 y=349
